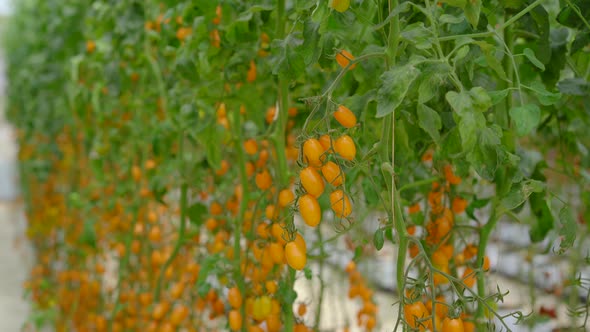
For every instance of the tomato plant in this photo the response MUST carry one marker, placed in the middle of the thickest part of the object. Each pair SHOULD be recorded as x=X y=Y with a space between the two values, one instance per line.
x=183 y=163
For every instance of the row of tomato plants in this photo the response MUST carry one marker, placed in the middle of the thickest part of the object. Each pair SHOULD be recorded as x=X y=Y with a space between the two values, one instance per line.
x=175 y=153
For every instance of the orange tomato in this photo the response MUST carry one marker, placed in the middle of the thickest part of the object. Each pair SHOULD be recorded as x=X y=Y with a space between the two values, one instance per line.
x=414 y=312
x=250 y=146
x=469 y=277
x=310 y=210
x=458 y=205
x=311 y=181
x=263 y=180
x=326 y=142
x=344 y=57
x=234 y=297
x=340 y=204
x=235 y=320
x=345 y=117
x=452 y=325
x=313 y=152
x=277 y=253
x=332 y=173
x=345 y=147
x=286 y=197
x=468 y=326
x=296 y=256
x=251 y=76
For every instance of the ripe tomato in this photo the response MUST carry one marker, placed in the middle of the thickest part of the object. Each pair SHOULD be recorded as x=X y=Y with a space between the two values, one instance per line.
x=234 y=297
x=468 y=326
x=469 y=277
x=300 y=241
x=311 y=181
x=271 y=286
x=452 y=325
x=251 y=77
x=310 y=210
x=345 y=147
x=413 y=312
x=179 y=314
x=296 y=256
x=235 y=320
x=302 y=309
x=340 y=204
x=160 y=310
x=263 y=180
x=344 y=57
x=301 y=328
x=250 y=146
x=326 y=142
x=459 y=204
x=440 y=260
x=286 y=197
x=345 y=117
x=277 y=253
x=333 y=174
x=273 y=323
x=313 y=152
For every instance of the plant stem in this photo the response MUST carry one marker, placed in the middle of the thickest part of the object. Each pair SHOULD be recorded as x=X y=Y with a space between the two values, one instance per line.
x=484 y=236
x=279 y=144
x=239 y=221
x=321 y=277
x=500 y=28
x=182 y=225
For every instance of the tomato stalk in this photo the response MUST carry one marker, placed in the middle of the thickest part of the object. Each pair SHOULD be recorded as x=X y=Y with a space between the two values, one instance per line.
x=239 y=221
x=182 y=226
x=321 y=277
x=484 y=236
x=124 y=261
x=278 y=139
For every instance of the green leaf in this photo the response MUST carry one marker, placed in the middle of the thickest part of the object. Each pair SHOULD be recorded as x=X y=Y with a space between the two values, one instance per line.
x=395 y=85
x=460 y=102
x=472 y=10
x=371 y=195
x=543 y=223
x=469 y=127
x=429 y=120
x=402 y=8
x=582 y=39
x=568 y=229
x=418 y=35
x=311 y=49
x=307 y=272
x=484 y=157
x=211 y=140
x=451 y=19
x=518 y=194
x=196 y=213
x=545 y=97
x=526 y=118
x=498 y=96
x=488 y=51
x=290 y=60
x=88 y=236
x=480 y=98
x=529 y=54
x=455 y=3
x=568 y=16
x=378 y=239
